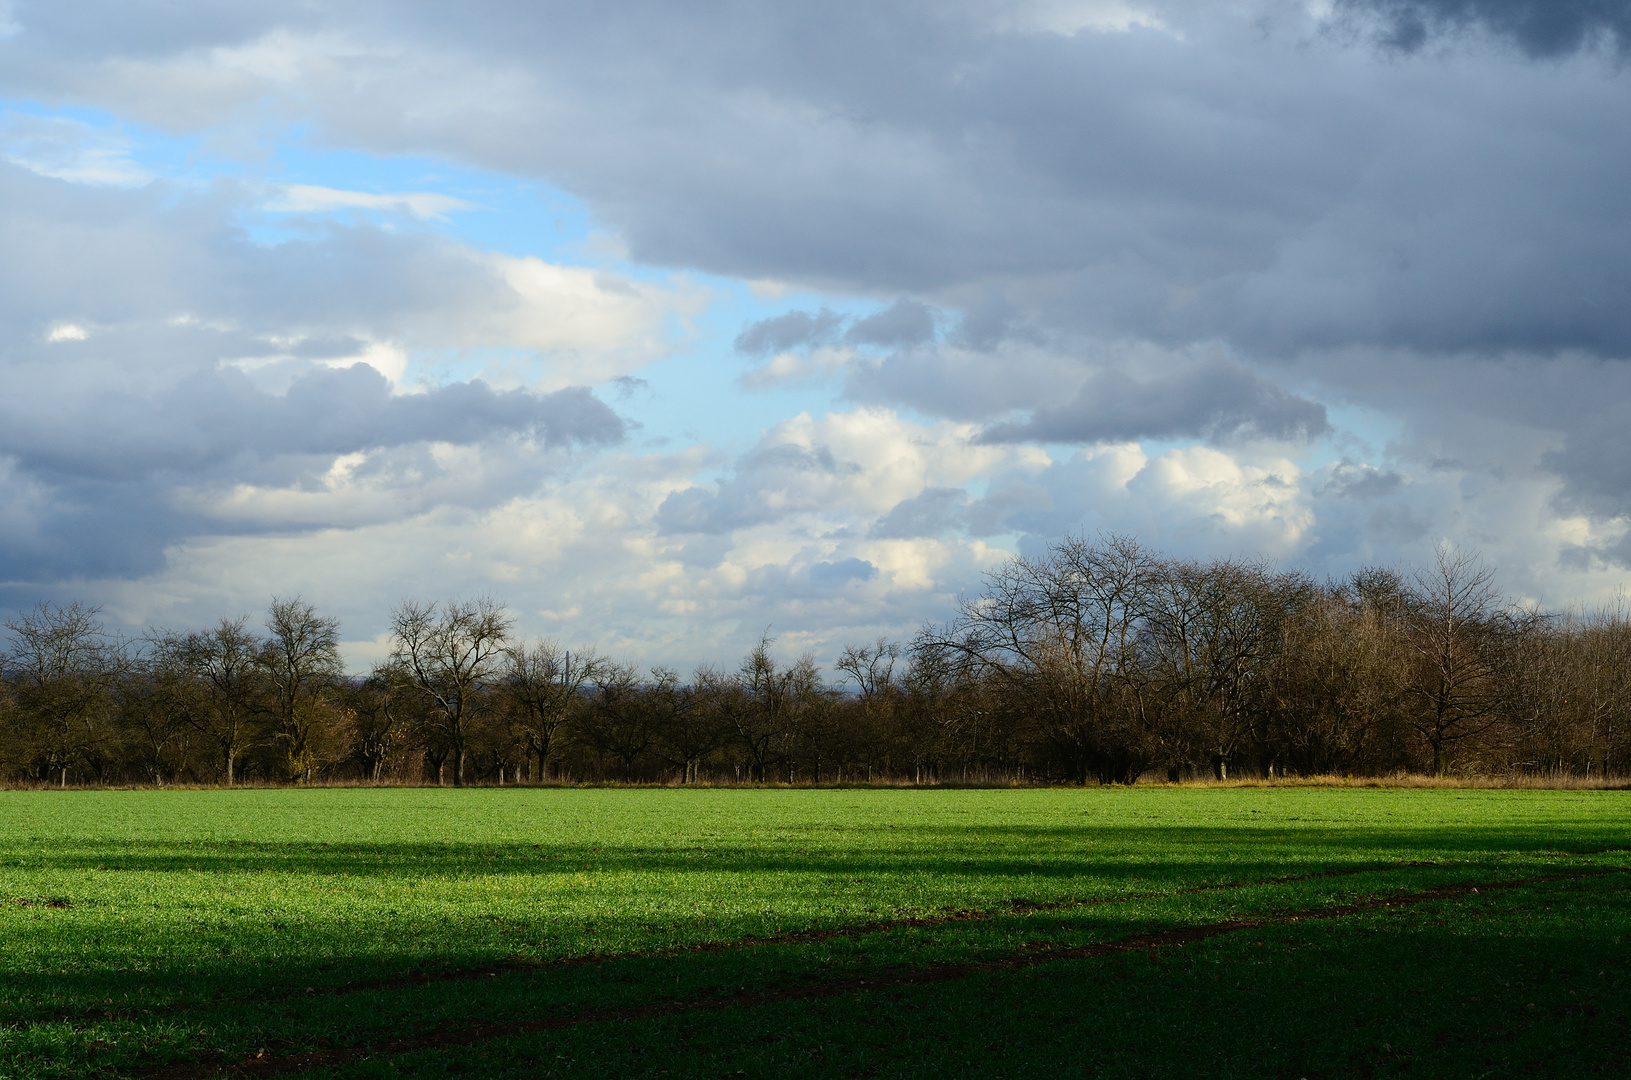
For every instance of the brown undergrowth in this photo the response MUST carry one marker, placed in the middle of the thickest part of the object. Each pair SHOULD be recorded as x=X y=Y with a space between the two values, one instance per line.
x=1504 y=781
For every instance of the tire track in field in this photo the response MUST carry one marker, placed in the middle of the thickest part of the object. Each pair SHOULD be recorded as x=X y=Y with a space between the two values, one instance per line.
x=472 y=1034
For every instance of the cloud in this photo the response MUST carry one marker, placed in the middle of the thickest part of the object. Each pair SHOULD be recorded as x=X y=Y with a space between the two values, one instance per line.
x=1540 y=28
x=770 y=483
x=933 y=512
x=1594 y=458
x=578 y=561
x=212 y=419
x=789 y=331
x=831 y=468
x=1078 y=204
x=837 y=574
x=1216 y=401
x=804 y=345
x=1242 y=175
x=1186 y=500
x=70 y=150
x=952 y=380
x=163 y=375
x=311 y=199
x=906 y=322
x=1357 y=480
x=67 y=332
x=1062 y=17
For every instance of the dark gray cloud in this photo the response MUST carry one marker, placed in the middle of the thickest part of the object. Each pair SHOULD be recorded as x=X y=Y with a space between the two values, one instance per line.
x=155 y=360
x=1595 y=462
x=214 y=421
x=106 y=477
x=789 y=331
x=1218 y=402
x=1243 y=175
x=814 y=582
x=1388 y=225
x=1355 y=480
x=934 y=512
x=906 y=322
x=1541 y=28
x=837 y=574
x=769 y=483
x=350 y=409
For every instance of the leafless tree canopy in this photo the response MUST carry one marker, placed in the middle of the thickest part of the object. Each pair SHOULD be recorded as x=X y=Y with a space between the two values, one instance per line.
x=1098 y=661
x=451 y=654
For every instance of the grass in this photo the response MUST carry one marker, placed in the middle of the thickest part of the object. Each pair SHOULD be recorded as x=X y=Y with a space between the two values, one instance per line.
x=413 y=931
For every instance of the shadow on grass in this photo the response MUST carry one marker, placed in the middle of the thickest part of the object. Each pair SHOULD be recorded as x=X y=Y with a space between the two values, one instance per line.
x=1531 y=982
x=1370 y=949
x=1123 y=851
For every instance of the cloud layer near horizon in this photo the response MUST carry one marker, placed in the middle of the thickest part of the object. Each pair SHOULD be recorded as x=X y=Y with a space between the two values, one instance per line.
x=1327 y=282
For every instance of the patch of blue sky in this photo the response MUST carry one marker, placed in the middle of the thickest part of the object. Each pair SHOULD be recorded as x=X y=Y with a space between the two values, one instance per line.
x=292 y=186
x=87 y=145
x=1358 y=434
x=695 y=393
x=692 y=393
x=486 y=210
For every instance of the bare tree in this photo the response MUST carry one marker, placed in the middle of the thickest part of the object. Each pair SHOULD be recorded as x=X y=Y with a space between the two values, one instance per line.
x=762 y=712
x=1213 y=628
x=224 y=696
x=64 y=666
x=301 y=659
x=451 y=653
x=692 y=720
x=620 y=720
x=371 y=714
x=1601 y=662
x=1061 y=633
x=872 y=667
x=1337 y=691
x=543 y=684
x=875 y=716
x=152 y=699
x=1452 y=609
x=815 y=723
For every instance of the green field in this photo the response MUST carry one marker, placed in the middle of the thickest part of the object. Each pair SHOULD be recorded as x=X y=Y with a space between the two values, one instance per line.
x=663 y=932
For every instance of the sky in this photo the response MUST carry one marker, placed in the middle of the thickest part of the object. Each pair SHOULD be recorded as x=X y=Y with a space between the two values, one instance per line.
x=673 y=324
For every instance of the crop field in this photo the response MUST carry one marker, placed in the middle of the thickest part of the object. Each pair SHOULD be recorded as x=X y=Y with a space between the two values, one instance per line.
x=1289 y=931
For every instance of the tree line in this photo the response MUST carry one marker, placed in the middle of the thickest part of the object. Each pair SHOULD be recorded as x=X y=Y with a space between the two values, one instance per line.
x=1098 y=661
